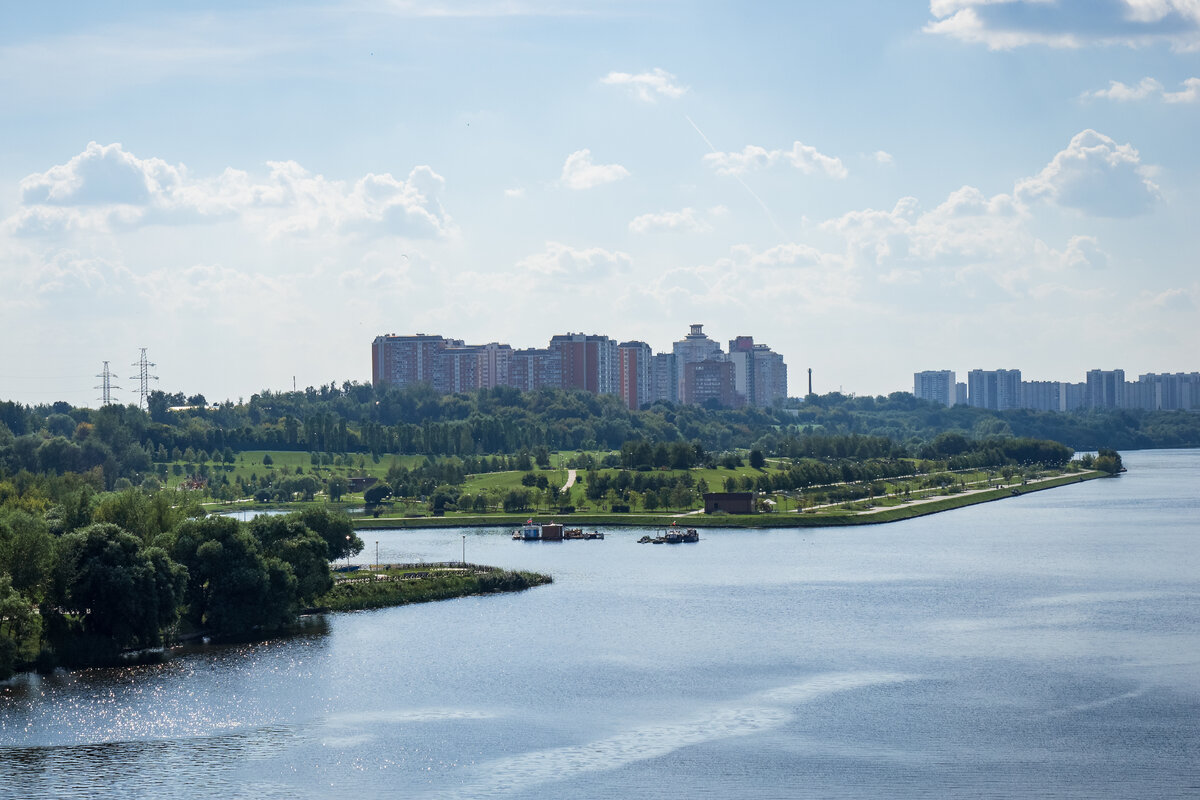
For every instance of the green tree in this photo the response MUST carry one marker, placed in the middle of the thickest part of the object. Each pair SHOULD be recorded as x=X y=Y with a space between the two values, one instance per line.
x=337 y=486
x=1107 y=460
x=302 y=548
x=146 y=516
x=377 y=494
x=334 y=528
x=20 y=628
x=26 y=552
x=125 y=592
x=233 y=587
x=515 y=500
x=757 y=459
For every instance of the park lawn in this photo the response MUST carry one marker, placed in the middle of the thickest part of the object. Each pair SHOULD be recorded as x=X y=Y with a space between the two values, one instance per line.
x=250 y=462
x=510 y=479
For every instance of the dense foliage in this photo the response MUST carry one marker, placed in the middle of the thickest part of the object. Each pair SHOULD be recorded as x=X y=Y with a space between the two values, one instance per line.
x=120 y=441
x=396 y=588
x=82 y=594
x=94 y=559
x=75 y=447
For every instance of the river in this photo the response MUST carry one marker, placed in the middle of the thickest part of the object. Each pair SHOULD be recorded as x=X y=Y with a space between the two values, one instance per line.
x=1043 y=646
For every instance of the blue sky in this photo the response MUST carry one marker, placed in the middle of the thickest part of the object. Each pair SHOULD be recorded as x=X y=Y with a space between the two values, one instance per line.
x=254 y=191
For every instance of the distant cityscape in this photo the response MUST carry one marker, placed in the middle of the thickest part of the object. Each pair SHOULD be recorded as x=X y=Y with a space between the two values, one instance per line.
x=695 y=371
x=1002 y=389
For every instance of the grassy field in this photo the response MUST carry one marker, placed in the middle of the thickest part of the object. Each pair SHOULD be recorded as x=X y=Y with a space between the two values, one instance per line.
x=827 y=504
x=861 y=513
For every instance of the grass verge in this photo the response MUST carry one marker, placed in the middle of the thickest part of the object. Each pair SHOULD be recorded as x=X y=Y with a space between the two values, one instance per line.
x=821 y=518
x=423 y=583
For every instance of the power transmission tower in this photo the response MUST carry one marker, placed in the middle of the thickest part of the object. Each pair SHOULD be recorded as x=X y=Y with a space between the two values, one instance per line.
x=106 y=387
x=144 y=378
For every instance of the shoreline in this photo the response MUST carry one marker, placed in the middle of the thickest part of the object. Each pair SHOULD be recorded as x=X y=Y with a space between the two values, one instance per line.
x=788 y=519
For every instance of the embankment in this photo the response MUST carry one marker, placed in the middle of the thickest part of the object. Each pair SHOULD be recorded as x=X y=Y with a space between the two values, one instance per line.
x=790 y=519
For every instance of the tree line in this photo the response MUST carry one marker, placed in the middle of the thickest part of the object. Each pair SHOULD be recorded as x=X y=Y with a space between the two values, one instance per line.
x=123 y=441
x=114 y=572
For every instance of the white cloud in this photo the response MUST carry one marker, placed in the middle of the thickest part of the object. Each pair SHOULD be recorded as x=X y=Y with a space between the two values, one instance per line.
x=107 y=188
x=225 y=292
x=1083 y=252
x=684 y=221
x=793 y=277
x=883 y=157
x=1123 y=93
x=967 y=230
x=1175 y=299
x=559 y=259
x=1006 y=24
x=647 y=86
x=516 y=193
x=580 y=173
x=1189 y=94
x=1146 y=88
x=803 y=157
x=1094 y=175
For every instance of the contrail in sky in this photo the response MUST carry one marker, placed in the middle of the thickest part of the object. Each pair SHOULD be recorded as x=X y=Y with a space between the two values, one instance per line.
x=745 y=185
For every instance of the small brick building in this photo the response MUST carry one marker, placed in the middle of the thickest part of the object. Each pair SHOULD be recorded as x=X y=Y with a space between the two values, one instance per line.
x=729 y=502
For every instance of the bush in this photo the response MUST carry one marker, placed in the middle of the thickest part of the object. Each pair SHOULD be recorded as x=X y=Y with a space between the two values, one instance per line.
x=620 y=508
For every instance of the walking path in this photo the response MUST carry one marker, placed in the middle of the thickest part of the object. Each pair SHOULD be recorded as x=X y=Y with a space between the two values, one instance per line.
x=570 y=480
x=936 y=497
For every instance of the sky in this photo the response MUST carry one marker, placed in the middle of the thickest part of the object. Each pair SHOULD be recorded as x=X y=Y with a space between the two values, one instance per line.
x=253 y=191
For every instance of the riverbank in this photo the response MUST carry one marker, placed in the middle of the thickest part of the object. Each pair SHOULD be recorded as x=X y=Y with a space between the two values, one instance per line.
x=401 y=584
x=827 y=516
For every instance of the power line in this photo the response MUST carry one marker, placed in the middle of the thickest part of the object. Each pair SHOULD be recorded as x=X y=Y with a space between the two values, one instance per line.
x=144 y=378
x=106 y=386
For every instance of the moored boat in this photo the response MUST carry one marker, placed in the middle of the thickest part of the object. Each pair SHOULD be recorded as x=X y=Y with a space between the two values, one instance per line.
x=672 y=535
x=529 y=532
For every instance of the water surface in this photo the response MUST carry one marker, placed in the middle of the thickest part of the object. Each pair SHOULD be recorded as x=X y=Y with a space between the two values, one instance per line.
x=1044 y=646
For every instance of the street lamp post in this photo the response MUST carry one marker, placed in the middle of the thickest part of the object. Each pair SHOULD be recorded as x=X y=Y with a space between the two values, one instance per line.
x=464 y=558
x=376 y=554
x=347 y=553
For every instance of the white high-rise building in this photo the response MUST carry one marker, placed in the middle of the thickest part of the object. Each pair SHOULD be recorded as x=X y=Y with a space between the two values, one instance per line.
x=692 y=349
x=936 y=385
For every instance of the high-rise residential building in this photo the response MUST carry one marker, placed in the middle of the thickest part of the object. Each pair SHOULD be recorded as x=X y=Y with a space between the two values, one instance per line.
x=1153 y=392
x=770 y=377
x=709 y=382
x=458 y=369
x=663 y=377
x=759 y=374
x=1044 y=395
x=935 y=385
x=495 y=360
x=741 y=355
x=635 y=381
x=960 y=393
x=998 y=389
x=1106 y=388
x=1076 y=396
x=533 y=368
x=694 y=347
x=589 y=362
x=406 y=360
